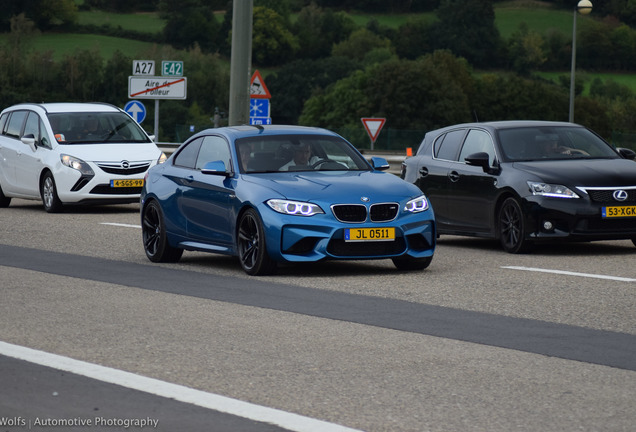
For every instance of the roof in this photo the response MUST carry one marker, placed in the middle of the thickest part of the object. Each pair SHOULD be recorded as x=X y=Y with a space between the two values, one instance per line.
x=57 y=107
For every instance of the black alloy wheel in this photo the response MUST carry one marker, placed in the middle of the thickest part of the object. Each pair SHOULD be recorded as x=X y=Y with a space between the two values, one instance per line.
x=251 y=245
x=511 y=226
x=154 y=237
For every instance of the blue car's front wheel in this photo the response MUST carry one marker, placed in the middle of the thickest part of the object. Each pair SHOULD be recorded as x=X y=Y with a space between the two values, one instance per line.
x=153 y=230
x=251 y=245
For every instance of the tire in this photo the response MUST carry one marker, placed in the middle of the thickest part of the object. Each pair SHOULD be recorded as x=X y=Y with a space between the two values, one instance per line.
x=634 y=241
x=4 y=200
x=153 y=232
x=409 y=264
x=512 y=229
x=251 y=247
x=48 y=192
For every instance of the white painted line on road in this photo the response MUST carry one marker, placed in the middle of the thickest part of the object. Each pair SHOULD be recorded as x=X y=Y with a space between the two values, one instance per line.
x=286 y=420
x=120 y=224
x=563 y=272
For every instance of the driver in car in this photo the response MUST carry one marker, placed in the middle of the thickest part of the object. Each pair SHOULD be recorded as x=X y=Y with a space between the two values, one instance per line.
x=302 y=157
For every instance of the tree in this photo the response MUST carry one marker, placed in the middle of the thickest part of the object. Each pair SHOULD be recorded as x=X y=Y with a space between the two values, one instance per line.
x=189 y=22
x=359 y=43
x=468 y=29
x=272 y=42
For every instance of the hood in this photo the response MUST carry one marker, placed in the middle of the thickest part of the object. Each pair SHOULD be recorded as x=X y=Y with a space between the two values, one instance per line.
x=112 y=152
x=337 y=186
x=583 y=172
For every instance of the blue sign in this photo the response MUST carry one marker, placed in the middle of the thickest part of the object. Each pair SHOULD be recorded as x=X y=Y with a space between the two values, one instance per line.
x=260 y=120
x=259 y=107
x=136 y=109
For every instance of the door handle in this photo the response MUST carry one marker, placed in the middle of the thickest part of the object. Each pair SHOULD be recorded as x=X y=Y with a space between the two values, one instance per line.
x=423 y=171
x=453 y=176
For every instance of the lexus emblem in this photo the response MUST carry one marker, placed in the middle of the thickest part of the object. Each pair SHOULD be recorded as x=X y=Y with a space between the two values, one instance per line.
x=620 y=195
x=125 y=164
x=364 y=199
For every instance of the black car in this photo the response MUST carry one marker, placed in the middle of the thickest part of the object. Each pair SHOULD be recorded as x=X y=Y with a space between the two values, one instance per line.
x=526 y=181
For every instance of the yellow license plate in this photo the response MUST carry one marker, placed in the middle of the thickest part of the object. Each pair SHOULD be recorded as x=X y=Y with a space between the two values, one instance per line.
x=127 y=183
x=622 y=211
x=369 y=234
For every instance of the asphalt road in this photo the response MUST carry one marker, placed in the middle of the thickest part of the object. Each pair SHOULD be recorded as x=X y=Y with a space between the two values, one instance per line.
x=481 y=340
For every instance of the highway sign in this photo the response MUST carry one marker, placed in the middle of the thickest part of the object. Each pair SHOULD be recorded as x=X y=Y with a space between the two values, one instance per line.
x=260 y=120
x=171 y=68
x=258 y=89
x=157 y=87
x=373 y=125
x=259 y=108
x=143 y=67
x=136 y=109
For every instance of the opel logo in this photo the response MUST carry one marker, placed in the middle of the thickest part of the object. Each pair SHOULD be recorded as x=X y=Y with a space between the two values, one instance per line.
x=620 y=195
x=125 y=164
x=364 y=199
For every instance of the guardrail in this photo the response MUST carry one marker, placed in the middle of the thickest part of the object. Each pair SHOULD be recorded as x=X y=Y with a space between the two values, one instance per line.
x=394 y=159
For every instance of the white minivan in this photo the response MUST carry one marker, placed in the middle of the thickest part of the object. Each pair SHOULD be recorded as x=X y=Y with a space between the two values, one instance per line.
x=73 y=153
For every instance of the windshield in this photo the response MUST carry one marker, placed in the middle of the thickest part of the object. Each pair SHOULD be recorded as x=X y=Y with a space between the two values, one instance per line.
x=298 y=153
x=96 y=128
x=552 y=143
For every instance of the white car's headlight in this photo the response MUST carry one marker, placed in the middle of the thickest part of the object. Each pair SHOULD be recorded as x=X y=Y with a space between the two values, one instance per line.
x=162 y=158
x=78 y=164
x=296 y=208
x=416 y=205
x=551 y=190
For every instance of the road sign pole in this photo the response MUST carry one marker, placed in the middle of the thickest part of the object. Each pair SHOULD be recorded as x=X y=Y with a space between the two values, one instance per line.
x=156 y=120
x=240 y=63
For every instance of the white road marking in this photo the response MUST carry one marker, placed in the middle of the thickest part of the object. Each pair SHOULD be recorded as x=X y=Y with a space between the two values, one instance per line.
x=286 y=420
x=120 y=224
x=587 y=275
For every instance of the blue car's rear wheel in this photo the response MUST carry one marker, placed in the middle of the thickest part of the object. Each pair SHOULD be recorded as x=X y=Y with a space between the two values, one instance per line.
x=251 y=245
x=153 y=230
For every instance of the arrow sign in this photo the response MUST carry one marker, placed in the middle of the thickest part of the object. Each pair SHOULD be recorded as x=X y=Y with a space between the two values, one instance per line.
x=373 y=125
x=137 y=110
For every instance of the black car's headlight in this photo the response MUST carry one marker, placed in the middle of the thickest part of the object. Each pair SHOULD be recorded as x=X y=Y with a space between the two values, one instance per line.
x=78 y=164
x=416 y=205
x=551 y=190
x=296 y=208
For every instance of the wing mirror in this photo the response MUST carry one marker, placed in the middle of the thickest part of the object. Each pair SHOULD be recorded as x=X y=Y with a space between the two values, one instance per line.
x=481 y=159
x=379 y=163
x=29 y=140
x=627 y=153
x=215 y=168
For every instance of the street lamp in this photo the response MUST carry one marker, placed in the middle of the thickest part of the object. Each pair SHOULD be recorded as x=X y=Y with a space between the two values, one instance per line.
x=584 y=7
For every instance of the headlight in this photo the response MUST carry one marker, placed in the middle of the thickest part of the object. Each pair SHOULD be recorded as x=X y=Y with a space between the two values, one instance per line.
x=416 y=205
x=295 y=208
x=78 y=164
x=162 y=158
x=551 y=190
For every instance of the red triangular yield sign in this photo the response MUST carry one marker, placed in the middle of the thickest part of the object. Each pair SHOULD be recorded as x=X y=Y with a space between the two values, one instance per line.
x=373 y=125
x=258 y=89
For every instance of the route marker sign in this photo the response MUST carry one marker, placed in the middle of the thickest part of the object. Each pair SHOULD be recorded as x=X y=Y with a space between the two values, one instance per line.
x=157 y=87
x=143 y=67
x=171 y=68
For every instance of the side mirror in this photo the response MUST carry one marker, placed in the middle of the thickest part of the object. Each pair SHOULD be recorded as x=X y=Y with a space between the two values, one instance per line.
x=29 y=140
x=480 y=159
x=380 y=164
x=152 y=137
x=214 y=168
x=627 y=153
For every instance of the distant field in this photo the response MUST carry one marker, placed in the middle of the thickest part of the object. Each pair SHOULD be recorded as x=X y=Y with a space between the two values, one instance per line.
x=141 y=22
x=626 y=79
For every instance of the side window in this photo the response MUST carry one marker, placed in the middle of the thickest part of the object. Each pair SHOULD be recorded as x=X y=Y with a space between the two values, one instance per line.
x=213 y=148
x=14 y=126
x=187 y=156
x=448 y=149
x=3 y=122
x=478 y=141
x=32 y=126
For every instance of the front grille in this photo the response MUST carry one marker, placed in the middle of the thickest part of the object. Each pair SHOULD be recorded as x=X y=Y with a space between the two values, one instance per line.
x=118 y=168
x=341 y=248
x=107 y=190
x=350 y=212
x=357 y=213
x=610 y=225
x=383 y=212
x=606 y=195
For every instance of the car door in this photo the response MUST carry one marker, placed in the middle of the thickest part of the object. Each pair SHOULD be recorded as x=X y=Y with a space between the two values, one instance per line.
x=206 y=198
x=11 y=147
x=433 y=172
x=472 y=191
x=29 y=162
